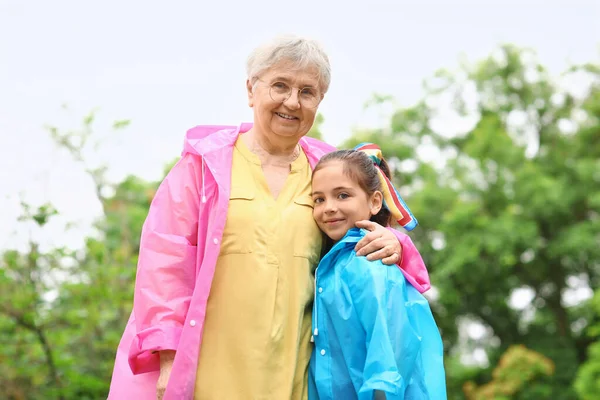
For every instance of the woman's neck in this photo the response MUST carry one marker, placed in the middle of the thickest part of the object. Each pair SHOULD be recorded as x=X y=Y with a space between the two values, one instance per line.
x=271 y=151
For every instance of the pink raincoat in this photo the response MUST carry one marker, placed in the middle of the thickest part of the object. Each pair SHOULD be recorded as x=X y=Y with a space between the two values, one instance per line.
x=178 y=253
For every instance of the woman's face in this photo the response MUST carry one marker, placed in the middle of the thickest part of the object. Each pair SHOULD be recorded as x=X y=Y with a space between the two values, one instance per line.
x=280 y=118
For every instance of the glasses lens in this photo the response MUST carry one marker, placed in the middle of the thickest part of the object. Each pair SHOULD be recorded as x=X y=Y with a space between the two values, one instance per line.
x=309 y=97
x=279 y=91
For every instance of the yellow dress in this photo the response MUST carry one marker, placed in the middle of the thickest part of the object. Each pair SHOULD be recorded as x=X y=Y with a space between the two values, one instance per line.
x=256 y=342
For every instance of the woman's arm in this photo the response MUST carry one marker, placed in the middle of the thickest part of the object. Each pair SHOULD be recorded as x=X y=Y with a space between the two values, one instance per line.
x=393 y=247
x=379 y=244
x=166 y=365
x=166 y=270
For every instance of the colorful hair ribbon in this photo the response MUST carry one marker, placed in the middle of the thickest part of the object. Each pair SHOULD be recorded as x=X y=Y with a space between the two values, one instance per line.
x=391 y=198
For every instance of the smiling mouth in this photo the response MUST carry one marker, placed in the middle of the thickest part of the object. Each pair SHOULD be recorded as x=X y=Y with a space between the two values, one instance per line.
x=286 y=116
x=333 y=221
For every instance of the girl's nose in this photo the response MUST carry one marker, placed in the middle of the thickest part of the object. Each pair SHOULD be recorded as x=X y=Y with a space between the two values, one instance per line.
x=330 y=207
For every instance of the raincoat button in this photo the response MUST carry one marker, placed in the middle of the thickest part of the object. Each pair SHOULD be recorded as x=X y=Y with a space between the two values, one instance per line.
x=312 y=339
x=216 y=241
x=320 y=290
x=316 y=332
x=322 y=352
x=192 y=323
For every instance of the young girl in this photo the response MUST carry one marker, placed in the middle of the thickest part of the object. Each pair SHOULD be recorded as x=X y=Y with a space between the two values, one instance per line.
x=374 y=334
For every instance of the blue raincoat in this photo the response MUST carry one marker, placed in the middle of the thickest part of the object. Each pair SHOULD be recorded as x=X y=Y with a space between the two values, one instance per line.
x=374 y=334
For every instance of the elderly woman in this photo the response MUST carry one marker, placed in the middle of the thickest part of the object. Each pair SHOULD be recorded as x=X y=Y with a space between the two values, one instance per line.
x=225 y=281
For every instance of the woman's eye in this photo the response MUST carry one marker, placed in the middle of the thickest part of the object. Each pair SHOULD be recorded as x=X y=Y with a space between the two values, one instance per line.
x=280 y=86
x=308 y=92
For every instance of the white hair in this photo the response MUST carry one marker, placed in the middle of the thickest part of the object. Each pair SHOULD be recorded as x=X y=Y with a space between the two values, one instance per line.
x=301 y=52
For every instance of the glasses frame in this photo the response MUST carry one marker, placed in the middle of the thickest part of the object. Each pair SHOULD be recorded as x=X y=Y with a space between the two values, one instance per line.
x=286 y=97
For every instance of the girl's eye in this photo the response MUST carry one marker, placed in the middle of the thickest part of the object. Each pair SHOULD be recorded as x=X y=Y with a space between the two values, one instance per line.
x=343 y=196
x=318 y=200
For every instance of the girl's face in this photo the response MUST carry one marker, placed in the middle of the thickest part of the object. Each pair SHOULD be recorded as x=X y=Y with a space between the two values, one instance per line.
x=339 y=201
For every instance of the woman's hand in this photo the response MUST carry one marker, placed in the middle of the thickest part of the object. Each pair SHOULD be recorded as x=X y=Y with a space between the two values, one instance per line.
x=166 y=364
x=378 y=244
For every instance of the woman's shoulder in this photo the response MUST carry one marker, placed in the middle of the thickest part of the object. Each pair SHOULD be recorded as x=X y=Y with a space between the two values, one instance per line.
x=316 y=146
x=205 y=138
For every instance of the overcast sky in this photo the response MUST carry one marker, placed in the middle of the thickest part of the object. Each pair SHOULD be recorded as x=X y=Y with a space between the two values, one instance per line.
x=168 y=66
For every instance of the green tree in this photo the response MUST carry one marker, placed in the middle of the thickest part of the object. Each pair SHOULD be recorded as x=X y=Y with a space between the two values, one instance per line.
x=315 y=130
x=62 y=312
x=94 y=309
x=587 y=383
x=509 y=203
x=28 y=354
x=517 y=368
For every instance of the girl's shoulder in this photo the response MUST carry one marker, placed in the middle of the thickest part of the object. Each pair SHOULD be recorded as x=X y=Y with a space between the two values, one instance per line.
x=355 y=267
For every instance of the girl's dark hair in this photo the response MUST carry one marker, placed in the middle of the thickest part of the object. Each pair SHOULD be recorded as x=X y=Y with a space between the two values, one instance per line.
x=360 y=168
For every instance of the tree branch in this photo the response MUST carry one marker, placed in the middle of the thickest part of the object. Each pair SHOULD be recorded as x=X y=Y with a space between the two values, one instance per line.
x=20 y=320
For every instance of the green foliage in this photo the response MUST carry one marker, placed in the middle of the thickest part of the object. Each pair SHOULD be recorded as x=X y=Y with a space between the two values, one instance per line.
x=62 y=312
x=518 y=368
x=315 y=130
x=587 y=383
x=30 y=359
x=507 y=204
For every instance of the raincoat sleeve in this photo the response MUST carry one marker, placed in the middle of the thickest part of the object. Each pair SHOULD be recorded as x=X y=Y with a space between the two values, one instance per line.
x=392 y=343
x=411 y=264
x=166 y=265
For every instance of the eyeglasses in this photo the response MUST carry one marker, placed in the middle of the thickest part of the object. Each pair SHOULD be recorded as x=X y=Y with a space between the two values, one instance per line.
x=308 y=96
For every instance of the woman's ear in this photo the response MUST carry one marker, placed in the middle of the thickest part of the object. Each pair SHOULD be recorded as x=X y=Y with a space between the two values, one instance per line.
x=250 y=91
x=376 y=202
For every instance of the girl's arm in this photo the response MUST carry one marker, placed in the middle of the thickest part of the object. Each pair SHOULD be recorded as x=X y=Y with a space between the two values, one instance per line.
x=390 y=336
x=400 y=332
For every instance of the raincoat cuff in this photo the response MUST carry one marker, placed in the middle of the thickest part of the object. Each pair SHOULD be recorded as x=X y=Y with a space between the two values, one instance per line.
x=144 y=351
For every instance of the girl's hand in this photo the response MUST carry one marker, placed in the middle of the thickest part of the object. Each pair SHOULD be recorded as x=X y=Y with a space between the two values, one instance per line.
x=378 y=244
x=166 y=364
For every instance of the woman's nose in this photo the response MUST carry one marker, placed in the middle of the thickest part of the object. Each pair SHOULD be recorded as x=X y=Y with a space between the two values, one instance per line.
x=293 y=102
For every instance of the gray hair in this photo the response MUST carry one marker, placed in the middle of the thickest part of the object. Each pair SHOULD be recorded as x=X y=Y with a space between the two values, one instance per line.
x=301 y=52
